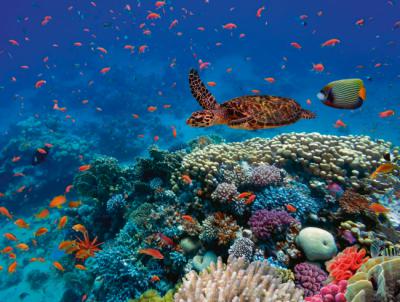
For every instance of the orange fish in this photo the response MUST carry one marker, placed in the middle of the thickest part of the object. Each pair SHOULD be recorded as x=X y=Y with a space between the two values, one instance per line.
x=151 y=108
x=84 y=168
x=259 y=11
x=42 y=214
x=291 y=208
x=79 y=228
x=378 y=208
x=174 y=134
x=6 y=250
x=2 y=194
x=21 y=223
x=57 y=201
x=105 y=70
x=16 y=159
x=62 y=222
x=186 y=179
x=318 y=67
x=134 y=115
x=383 y=169
x=244 y=195
x=1 y=268
x=256 y=91
x=153 y=16
x=102 y=49
x=22 y=246
x=229 y=26
x=270 y=80
x=74 y=204
x=339 y=123
x=295 y=45
x=5 y=212
x=12 y=267
x=166 y=106
x=41 y=231
x=78 y=44
x=152 y=252
x=21 y=189
x=10 y=236
x=386 y=113
x=142 y=48
x=12 y=256
x=40 y=83
x=211 y=84
x=34 y=242
x=330 y=42
x=68 y=188
x=188 y=218
x=58 y=266
x=155 y=278
x=14 y=42
x=81 y=267
x=41 y=151
x=156 y=138
x=250 y=199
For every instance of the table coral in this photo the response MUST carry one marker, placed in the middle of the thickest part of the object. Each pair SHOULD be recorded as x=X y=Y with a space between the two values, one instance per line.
x=345 y=264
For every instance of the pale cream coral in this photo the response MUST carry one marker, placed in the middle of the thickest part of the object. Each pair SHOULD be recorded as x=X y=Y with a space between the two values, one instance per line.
x=344 y=159
x=236 y=282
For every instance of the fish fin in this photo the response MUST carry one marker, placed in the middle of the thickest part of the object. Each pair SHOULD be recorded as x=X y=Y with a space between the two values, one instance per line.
x=308 y=115
x=200 y=92
x=363 y=94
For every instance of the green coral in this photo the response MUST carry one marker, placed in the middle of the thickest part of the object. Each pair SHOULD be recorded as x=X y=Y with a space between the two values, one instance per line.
x=152 y=295
x=285 y=274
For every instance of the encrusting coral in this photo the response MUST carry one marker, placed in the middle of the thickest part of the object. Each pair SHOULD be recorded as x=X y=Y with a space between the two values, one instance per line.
x=237 y=281
x=353 y=203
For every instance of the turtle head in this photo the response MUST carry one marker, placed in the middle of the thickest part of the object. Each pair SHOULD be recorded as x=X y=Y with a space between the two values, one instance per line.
x=204 y=118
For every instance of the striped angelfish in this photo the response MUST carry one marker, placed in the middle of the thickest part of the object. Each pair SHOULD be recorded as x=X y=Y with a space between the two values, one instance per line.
x=343 y=94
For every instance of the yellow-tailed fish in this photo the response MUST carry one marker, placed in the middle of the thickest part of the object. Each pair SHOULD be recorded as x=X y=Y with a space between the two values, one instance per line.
x=343 y=94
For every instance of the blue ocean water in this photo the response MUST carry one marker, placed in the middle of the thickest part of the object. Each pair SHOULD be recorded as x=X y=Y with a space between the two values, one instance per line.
x=93 y=79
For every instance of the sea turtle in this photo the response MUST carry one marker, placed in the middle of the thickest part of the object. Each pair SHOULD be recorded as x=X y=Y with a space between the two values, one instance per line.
x=250 y=112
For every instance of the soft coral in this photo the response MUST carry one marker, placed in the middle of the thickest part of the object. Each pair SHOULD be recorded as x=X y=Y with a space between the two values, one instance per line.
x=346 y=263
x=86 y=248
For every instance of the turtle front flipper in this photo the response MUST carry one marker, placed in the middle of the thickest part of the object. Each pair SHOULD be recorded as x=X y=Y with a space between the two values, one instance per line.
x=200 y=92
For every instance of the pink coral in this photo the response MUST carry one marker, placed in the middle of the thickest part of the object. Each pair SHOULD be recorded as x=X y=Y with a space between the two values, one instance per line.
x=265 y=175
x=346 y=263
x=330 y=293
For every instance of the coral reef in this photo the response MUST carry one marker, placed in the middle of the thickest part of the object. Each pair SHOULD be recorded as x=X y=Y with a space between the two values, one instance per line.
x=331 y=292
x=242 y=247
x=264 y=175
x=353 y=203
x=310 y=278
x=258 y=282
x=220 y=227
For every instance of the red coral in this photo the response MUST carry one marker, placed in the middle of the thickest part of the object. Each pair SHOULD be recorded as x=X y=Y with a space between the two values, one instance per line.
x=346 y=263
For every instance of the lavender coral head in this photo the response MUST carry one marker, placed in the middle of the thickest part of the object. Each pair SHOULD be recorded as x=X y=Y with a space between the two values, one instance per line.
x=310 y=278
x=224 y=192
x=264 y=223
x=265 y=175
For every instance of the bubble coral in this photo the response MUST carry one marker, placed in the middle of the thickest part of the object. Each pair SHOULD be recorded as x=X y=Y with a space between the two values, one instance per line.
x=346 y=263
x=242 y=247
x=264 y=223
x=352 y=202
x=264 y=175
x=330 y=293
x=309 y=277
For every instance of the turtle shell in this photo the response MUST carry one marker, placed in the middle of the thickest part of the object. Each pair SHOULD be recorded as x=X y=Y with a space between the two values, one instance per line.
x=259 y=112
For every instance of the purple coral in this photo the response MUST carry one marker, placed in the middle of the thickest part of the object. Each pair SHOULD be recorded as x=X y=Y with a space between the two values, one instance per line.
x=224 y=192
x=265 y=175
x=331 y=293
x=310 y=278
x=264 y=223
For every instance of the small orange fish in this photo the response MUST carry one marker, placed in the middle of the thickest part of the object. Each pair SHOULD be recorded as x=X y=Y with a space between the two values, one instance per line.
x=75 y=204
x=188 y=218
x=6 y=250
x=383 y=169
x=5 y=212
x=41 y=231
x=152 y=252
x=142 y=48
x=21 y=223
x=166 y=106
x=270 y=80
x=12 y=256
x=62 y=222
x=42 y=151
x=21 y=189
x=295 y=45
x=339 y=124
x=57 y=201
x=58 y=266
x=211 y=84
x=250 y=199
x=22 y=246
x=102 y=49
x=10 y=236
x=81 y=267
x=105 y=70
x=78 y=44
x=386 y=113
x=378 y=208
x=255 y=91
x=68 y=188
x=174 y=134
x=229 y=26
x=156 y=138
x=318 y=67
x=153 y=16
x=12 y=267
x=34 y=242
x=134 y=115
x=2 y=194
x=40 y=83
x=186 y=179
x=1 y=268
x=16 y=159
x=291 y=208
x=79 y=228
x=84 y=168
x=330 y=42
x=244 y=195
x=42 y=214
x=155 y=278
x=151 y=108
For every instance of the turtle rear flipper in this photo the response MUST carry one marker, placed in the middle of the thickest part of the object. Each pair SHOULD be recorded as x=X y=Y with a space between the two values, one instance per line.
x=200 y=92
x=307 y=114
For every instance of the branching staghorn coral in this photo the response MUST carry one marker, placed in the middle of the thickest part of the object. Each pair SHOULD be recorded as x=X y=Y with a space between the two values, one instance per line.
x=235 y=282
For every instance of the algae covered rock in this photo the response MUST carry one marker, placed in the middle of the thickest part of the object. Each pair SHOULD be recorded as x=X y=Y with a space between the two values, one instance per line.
x=316 y=243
